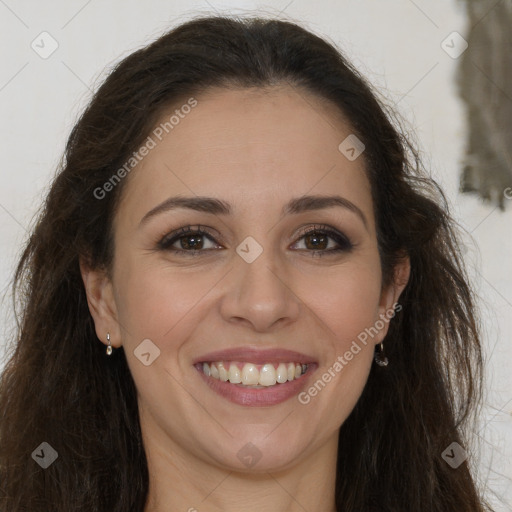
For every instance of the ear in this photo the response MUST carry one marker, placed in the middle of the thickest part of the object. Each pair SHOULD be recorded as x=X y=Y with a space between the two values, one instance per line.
x=390 y=295
x=101 y=302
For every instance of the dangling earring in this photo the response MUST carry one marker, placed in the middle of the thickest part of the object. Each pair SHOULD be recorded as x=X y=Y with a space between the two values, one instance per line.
x=380 y=357
x=109 y=348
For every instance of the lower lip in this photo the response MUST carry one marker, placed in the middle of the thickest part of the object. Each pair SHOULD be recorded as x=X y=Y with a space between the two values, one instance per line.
x=261 y=397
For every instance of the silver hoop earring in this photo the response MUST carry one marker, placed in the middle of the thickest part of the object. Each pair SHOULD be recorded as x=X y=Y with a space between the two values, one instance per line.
x=109 y=348
x=380 y=358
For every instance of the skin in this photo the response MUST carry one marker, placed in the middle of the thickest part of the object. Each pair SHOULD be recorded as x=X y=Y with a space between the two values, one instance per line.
x=256 y=150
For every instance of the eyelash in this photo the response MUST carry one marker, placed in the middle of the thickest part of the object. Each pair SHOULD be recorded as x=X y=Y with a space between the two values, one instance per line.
x=165 y=244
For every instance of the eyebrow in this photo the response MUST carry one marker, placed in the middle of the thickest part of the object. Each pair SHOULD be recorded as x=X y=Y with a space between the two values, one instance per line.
x=219 y=207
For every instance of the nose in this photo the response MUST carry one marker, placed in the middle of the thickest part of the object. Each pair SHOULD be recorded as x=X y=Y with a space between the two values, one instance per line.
x=260 y=295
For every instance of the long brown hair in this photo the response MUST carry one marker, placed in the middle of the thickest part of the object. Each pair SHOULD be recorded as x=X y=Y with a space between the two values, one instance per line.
x=59 y=387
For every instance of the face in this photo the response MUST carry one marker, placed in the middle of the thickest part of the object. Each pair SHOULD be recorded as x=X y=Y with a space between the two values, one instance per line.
x=270 y=286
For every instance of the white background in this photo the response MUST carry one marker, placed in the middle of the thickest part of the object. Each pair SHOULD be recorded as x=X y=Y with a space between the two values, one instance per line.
x=396 y=44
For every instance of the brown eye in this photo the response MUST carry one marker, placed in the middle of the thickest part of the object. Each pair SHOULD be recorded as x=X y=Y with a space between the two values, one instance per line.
x=315 y=240
x=321 y=240
x=318 y=241
x=188 y=240
x=192 y=242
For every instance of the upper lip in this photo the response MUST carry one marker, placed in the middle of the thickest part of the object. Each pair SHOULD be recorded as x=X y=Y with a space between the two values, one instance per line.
x=255 y=356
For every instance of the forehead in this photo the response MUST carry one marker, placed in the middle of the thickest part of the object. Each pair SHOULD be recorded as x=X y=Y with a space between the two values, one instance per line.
x=249 y=147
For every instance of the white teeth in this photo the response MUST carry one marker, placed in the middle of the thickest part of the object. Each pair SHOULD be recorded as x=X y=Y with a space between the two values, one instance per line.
x=291 y=371
x=267 y=375
x=222 y=372
x=214 y=372
x=250 y=375
x=282 y=373
x=235 y=377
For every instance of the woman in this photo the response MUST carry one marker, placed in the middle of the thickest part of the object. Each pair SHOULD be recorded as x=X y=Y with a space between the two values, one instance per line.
x=243 y=293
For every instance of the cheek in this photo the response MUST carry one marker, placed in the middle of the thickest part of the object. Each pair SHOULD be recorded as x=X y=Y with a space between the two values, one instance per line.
x=153 y=300
x=346 y=308
x=346 y=300
x=161 y=305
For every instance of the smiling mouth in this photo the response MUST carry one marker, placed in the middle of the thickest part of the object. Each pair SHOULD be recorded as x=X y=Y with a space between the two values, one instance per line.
x=251 y=375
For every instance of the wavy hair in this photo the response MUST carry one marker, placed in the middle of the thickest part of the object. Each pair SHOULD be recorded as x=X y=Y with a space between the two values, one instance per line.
x=59 y=386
